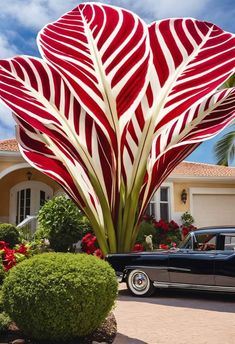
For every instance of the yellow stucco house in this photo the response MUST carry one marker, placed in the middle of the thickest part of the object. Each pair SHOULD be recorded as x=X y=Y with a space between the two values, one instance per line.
x=206 y=191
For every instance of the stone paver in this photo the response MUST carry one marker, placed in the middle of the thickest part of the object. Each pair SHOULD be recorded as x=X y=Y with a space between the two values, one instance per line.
x=175 y=317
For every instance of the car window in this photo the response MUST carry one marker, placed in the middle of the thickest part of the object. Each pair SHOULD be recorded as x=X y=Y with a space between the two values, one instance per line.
x=205 y=242
x=187 y=243
x=229 y=242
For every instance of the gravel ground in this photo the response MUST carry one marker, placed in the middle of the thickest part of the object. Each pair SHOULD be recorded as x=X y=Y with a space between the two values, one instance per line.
x=179 y=317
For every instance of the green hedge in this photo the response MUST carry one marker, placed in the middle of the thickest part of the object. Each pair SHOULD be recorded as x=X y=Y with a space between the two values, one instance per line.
x=61 y=221
x=9 y=234
x=59 y=296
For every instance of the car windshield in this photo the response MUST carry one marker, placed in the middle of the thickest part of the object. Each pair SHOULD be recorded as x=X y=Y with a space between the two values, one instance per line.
x=187 y=242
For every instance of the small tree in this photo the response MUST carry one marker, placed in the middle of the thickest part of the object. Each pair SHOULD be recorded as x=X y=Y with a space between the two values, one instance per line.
x=187 y=219
x=63 y=221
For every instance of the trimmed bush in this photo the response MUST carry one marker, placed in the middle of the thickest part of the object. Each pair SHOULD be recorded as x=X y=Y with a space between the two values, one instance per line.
x=146 y=229
x=59 y=296
x=5 y=321
x=61 y=221
x=9 y=234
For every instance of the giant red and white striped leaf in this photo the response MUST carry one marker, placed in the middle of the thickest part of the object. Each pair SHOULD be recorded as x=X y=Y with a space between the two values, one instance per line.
x=40 y=99
x=104 y=53
x=201 y=122
x=117 y=105
x=191 y=59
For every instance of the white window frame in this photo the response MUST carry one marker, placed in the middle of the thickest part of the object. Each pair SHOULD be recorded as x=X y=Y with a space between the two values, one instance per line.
x=35 y=187
x=156 y=200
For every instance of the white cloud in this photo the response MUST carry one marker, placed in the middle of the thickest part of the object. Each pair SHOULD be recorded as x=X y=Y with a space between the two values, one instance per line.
x=7 y=123
x=35 y=14
x=6 y=49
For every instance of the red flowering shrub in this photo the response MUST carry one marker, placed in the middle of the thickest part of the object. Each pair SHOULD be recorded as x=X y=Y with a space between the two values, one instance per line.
x=90 y=245
x=168 y=234
x=138 y=248
x=186 y=230
x=164 y=247
x=10 y=257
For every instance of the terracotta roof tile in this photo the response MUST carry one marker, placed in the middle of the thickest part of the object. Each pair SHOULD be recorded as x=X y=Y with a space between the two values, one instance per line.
x=194 y=169
x=185 y=168
x=9 y=145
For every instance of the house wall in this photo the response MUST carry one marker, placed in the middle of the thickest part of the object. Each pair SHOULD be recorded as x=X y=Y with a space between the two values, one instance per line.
x=179 y=207
x=5 y=164
x=13 y=178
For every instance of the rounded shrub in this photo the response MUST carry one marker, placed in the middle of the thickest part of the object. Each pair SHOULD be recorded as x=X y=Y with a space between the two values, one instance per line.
x=59 y=296
x=9 y=234
x=61 y=222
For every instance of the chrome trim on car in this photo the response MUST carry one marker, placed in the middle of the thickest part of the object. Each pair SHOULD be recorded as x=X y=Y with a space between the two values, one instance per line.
x=173 y=268
x=145 y=267
x=193 y=286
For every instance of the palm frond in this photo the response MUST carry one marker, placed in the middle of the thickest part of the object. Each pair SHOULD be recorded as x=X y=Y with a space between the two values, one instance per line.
x=225 y=149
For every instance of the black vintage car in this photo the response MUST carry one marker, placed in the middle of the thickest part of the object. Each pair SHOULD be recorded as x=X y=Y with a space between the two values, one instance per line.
x=205 y=260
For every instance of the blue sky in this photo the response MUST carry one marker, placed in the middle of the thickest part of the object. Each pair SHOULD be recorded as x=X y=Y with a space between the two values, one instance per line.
x=20 y=20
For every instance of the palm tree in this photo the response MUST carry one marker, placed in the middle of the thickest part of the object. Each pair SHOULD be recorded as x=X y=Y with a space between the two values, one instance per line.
x=225 y=148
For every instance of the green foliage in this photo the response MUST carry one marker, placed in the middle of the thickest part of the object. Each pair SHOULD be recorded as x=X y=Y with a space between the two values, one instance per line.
x=62 y=220
x=146 y=228
x=2 y=274
x=5 y=321
x=25 y=233
x=59 y=296
x=9 y=234
x=225 y=149
x=187 y=219
x=1 y=302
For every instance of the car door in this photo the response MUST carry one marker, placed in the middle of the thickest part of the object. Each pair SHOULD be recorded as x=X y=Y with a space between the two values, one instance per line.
x=194 y=265
x=225 y=261
x=190 y=267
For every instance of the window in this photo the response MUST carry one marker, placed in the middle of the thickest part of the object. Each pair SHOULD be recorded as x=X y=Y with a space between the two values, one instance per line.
x=26 y=198
x=23 y=201
x=164 y=203
x=152 y=208
x=159 y=206
x=42 y=197
x=205 y=242
x=229 y=242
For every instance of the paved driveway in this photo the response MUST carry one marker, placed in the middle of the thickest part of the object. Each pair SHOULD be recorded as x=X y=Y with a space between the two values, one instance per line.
x=178 y=317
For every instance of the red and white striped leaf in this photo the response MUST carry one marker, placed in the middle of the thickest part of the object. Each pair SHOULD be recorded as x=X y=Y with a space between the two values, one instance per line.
x=38 y=96
x=190 y=60
x=118 y=105
x=50 y=158
x=174 y=143
x=104 y=54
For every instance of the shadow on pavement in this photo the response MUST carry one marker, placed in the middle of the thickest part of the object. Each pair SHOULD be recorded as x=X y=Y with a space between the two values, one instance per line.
x=218 y=302
x=122 y=339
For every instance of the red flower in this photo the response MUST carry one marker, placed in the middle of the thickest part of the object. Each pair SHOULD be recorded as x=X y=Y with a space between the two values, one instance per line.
x=22 y=249
x=163 y=247
x=173 y=224
x=87 y=237
x=3 y=244
x=99 y=253
x=9 y=259
x=162 y=225
x=138 y=248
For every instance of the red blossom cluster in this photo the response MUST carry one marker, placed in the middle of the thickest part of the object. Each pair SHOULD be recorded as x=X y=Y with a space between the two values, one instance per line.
x=138 y=248
x=187 y=229
x=161 y=224
x=10 y=257
x=90 y=245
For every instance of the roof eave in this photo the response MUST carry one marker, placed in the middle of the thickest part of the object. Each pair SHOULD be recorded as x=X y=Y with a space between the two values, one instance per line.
x=209 y=179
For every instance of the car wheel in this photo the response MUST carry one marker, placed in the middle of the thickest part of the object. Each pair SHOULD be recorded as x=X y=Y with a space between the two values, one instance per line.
x=139 y=283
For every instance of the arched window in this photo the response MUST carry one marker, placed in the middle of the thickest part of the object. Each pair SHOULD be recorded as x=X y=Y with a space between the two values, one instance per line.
x=26 y=198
